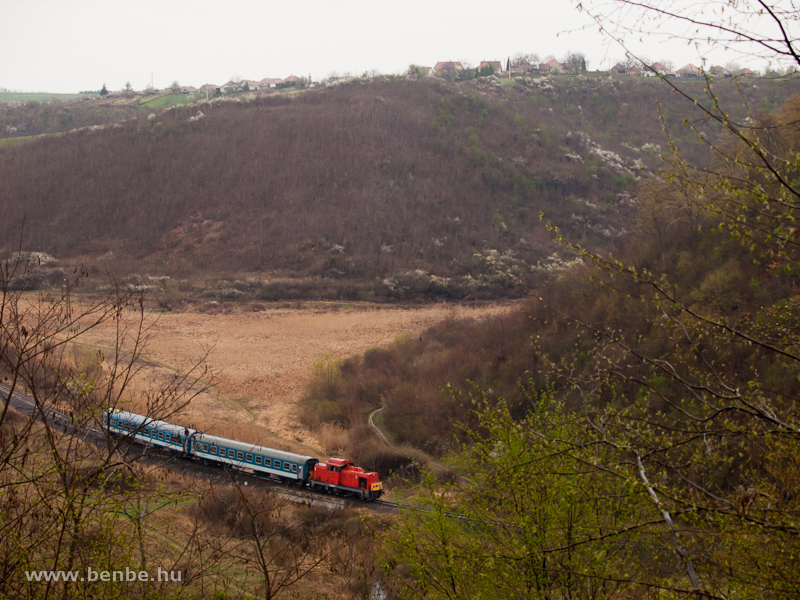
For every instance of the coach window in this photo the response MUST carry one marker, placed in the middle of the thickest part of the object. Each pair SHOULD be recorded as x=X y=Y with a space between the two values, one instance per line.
x=213 y=449
x=161 y=435
x=231 y=453
x=294 y=468
x=267 y=462
x=258 y=460
x=240 y=455
x=249 y=458
x=285 y=466
x=276 y=464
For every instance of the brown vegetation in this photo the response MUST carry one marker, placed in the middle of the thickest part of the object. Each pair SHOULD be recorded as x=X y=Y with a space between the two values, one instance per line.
x=262 y=361
x=384 y=190
x=428 y=383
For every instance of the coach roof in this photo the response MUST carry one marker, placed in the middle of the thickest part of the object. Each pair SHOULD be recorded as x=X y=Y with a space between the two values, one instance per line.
x=252 y=448
x=141 y=421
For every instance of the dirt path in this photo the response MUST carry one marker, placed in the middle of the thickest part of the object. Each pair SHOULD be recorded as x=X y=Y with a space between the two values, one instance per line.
x=262 y=361
x=377 y=429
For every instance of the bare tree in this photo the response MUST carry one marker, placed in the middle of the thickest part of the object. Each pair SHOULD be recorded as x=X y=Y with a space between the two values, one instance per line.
x=282 y=542
x=63 y=477
x=574 y=62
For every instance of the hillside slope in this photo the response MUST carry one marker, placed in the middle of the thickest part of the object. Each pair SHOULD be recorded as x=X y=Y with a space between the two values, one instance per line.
x=387 y=189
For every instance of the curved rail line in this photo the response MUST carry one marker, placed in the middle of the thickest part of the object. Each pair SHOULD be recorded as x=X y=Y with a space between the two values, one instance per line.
x=97 y=436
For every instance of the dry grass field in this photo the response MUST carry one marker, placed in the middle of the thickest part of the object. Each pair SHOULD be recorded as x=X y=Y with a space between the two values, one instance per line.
x=261 y=361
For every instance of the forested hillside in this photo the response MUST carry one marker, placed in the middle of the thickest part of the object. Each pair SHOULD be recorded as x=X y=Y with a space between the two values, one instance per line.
x=633 y=430
x=377 y=189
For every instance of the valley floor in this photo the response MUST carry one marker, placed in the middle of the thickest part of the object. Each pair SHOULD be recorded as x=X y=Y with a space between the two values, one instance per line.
x=262 y=361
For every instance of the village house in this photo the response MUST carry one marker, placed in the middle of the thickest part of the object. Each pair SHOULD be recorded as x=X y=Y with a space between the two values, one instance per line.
x=717 y=71
x=551 y=67
x=657 y=69
x=230 y=86
x=494 y=64
x=447 y=66
x=523 y=67
x=620 y=69
x=689 y=71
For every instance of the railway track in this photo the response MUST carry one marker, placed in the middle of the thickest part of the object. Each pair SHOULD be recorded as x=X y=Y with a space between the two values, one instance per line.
x=94 y=435
x=210 y=472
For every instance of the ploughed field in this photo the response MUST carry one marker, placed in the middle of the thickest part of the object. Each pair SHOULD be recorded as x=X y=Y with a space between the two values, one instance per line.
x=260 y=362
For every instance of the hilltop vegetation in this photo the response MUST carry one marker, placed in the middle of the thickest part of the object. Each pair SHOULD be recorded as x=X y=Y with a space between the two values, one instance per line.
x=39 y=115
x=18 y=97
x=388 y=189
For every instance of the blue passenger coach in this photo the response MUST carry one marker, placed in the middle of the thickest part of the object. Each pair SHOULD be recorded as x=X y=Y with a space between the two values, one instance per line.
x=286 y=465
x=149 y=431
x=210 y=448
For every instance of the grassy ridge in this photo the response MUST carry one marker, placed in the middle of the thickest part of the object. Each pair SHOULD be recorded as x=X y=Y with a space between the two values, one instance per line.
x=168 y=100
x=13 y=97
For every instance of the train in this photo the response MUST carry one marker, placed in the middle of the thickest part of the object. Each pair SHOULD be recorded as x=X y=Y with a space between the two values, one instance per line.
x=336 y=476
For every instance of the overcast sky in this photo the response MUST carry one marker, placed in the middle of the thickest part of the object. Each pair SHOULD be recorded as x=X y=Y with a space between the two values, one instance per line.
x=75 y=45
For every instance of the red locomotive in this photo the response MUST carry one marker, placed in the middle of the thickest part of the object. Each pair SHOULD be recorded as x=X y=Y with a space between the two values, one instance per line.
x=339 y=476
